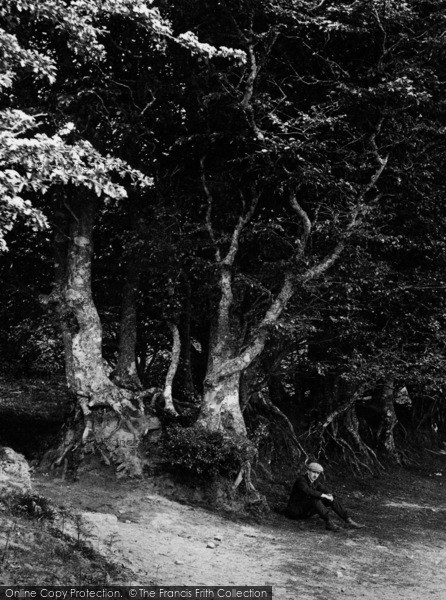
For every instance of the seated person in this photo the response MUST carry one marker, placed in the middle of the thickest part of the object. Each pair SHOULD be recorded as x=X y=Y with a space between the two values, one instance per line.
x=309 y=498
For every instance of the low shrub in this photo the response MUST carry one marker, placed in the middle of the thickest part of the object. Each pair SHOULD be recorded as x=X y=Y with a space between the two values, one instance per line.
x=200 y=452
x=33 y=506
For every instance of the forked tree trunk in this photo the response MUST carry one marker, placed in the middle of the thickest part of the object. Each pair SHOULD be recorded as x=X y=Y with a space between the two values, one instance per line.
x=226 y=362
x=114 y=431
x=221 y=395
x=221 y=405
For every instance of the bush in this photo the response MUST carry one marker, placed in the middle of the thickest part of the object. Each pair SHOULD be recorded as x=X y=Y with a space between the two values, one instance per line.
x=200 y=452
x=33 y=506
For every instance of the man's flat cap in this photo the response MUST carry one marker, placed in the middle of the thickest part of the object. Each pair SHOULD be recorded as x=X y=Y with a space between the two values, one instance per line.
x=315 y=467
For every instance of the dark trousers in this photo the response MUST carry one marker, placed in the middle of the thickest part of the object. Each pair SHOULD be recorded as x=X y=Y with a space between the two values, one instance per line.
x=316 y=506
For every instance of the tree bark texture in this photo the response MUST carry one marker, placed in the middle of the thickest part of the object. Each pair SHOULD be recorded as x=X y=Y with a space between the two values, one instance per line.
x=226 y=362
x=116 y=432
x=81 y=326
x=174 y=360
x=221 y=397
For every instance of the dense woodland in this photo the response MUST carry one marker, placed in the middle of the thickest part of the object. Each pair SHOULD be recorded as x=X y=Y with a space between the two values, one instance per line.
x=229 y=216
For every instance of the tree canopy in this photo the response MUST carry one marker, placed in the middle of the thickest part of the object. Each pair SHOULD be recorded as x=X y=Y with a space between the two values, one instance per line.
x=263 y=184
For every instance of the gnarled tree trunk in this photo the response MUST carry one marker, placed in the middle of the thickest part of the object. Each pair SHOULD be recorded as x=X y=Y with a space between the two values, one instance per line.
x=221 y=396
x=221 y=405
x=108 y=420
x=226 y=362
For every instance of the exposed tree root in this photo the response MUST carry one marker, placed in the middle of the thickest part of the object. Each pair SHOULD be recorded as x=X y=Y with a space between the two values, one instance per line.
x=254 y=497
x=114 y=433
x=355 y=451
x=127 y=381
x=351 y=424
x=351 y=457
x=359 y=456
x=286 y=427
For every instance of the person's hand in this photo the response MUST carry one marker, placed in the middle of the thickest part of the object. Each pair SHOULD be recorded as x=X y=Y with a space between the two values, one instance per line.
x=328 y=497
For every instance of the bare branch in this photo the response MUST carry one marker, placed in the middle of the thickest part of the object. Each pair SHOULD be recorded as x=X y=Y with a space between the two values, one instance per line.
x=355 y=216
x=282 y=298
x=256 y=346
x=246 y=102
x=70 y=210
x=269 y=45
x=384 y=36
x=243 y=361
x=274 y=409
x=209 y=210
x=226 y=267
x=243 y=220
x=331 y=258
x=279 y=303
x=322 y=4
x=334 y=66
x=149 y=103
x=375 y=176
x=272 y=315
x=305 y=222
x=342 y=408
x=372 y=140
x=251 y=77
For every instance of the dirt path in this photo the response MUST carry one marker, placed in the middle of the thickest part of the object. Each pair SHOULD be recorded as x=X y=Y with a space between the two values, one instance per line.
x=400 y=555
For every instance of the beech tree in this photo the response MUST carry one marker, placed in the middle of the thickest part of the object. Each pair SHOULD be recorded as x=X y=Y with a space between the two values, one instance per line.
x=295 y=180
x=302 y=148
x=76 y=33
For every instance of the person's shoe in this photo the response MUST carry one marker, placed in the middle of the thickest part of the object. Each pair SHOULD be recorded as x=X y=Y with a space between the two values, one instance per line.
x=353 y=524
x=331 y=526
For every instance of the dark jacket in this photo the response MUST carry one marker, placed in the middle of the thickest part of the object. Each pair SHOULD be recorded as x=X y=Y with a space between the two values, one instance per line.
x=303 y=495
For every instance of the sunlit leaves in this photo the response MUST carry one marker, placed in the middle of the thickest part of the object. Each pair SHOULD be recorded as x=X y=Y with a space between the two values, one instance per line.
x=32 y=159
x=34 y=164
x=14 y=57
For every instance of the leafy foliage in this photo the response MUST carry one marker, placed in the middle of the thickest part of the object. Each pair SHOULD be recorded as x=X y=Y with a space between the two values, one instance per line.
x=33 y=161
x=198 y=451
x=37 y=163
x=33 y=506
x=255 y=102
